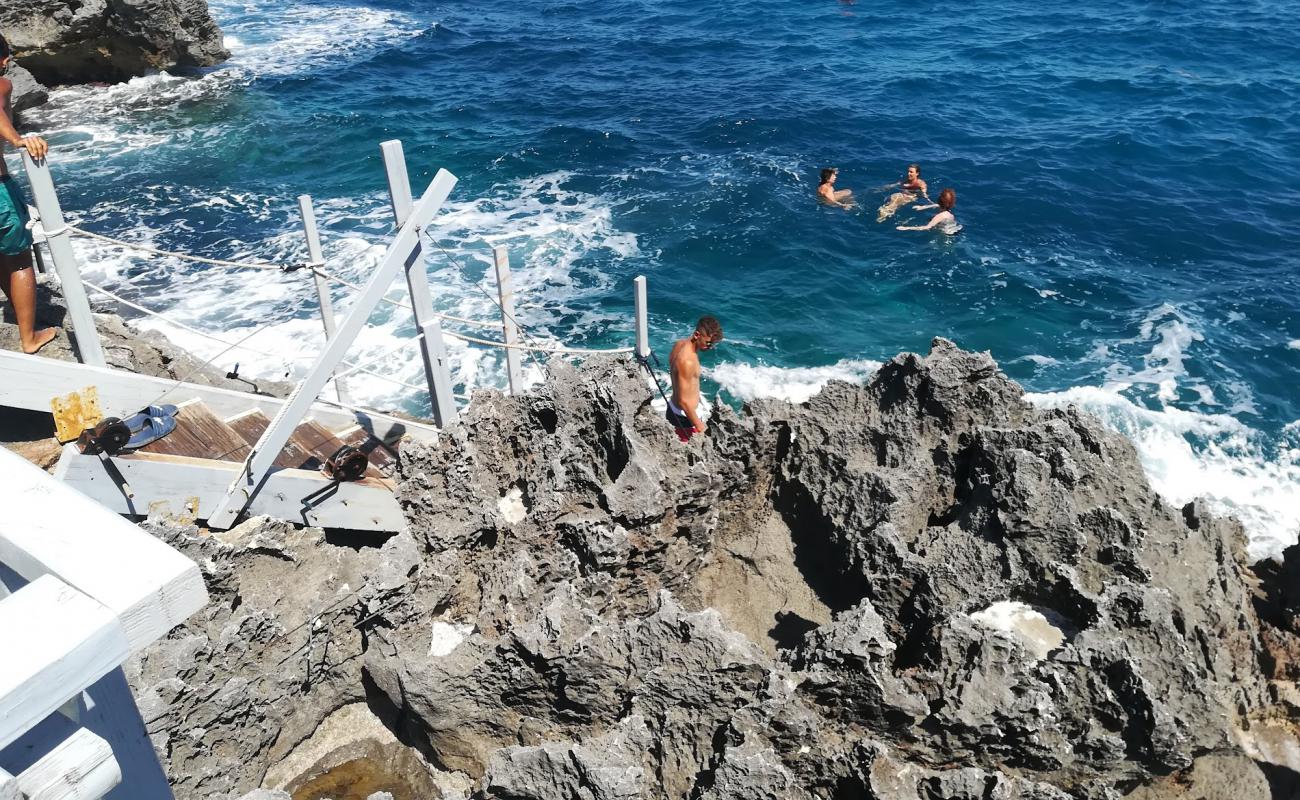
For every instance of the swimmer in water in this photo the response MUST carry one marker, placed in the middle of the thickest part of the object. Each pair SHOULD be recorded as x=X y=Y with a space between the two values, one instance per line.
x=911 y=189
x=944 y=220
x=827 y=192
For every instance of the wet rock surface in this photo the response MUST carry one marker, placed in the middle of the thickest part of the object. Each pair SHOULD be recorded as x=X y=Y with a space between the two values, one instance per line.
x=83 y=41
x=809 y=602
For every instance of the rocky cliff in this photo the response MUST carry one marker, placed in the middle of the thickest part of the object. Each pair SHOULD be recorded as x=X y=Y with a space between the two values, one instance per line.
x=82 y=41
x=918 y=588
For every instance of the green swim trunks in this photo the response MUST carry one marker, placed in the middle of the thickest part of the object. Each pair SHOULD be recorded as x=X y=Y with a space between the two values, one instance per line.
x=15 y=238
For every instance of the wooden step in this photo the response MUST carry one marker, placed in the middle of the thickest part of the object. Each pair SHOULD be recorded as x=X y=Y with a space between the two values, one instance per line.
x=312 y=444
x=295 y=454
x=383 y=458
x=200 y=434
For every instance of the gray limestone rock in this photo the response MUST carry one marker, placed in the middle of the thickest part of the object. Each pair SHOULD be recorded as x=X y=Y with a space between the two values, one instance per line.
x=918 y=588
x=80 y=41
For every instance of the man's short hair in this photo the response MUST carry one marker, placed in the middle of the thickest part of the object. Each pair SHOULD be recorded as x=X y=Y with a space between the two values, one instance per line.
x=4 y=47
x=710 y=327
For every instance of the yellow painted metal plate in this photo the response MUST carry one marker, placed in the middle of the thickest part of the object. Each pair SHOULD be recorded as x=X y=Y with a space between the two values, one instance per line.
x=74 y=412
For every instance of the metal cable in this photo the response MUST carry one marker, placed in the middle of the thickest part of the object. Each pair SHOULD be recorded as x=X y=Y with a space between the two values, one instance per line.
x=354 y=367
x=144 y=248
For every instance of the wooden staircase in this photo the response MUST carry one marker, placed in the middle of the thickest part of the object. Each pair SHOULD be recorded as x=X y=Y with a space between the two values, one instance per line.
x=206 y=451
x=186 y=474
x=202 y=434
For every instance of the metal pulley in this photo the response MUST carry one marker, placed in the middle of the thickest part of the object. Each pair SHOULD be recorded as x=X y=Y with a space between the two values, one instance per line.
x=347 y=464
x=108 y=436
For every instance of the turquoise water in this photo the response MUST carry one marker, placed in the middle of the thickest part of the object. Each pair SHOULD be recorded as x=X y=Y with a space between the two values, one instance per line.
x=1126 y=175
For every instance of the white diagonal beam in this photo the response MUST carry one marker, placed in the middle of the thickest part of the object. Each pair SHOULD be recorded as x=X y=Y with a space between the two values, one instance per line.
x=262 y=458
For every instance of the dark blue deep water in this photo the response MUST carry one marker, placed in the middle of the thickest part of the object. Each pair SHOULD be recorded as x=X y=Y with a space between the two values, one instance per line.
x=1126 y=176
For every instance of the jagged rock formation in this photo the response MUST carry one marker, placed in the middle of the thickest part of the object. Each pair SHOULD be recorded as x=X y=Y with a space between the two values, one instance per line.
x=27 y=92
x=81 y=41
x=918 y=588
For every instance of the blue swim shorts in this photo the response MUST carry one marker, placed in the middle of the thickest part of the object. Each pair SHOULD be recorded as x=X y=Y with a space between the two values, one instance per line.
x=15 y=238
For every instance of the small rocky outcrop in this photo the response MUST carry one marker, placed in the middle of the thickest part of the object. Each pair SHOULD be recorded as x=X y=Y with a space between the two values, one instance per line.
x=918 y=588
x=83 y=41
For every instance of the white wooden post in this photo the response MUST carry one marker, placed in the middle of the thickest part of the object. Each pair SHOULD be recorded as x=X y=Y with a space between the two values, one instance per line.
x=317 y=255
x=642 y=319
x=59 y=240
x=257 y=466
x=444 y=405
x=417 y=281
x=80 y=767
x=509 y=330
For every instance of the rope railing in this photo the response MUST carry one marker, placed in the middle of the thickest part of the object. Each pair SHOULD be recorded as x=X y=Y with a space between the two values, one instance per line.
x=353 y=367
x=317 y=269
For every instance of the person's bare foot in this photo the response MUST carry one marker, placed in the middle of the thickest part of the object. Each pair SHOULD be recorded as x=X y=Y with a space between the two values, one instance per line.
x=39 y=339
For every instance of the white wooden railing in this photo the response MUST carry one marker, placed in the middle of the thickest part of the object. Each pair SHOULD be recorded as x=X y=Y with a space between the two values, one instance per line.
x=81 y=590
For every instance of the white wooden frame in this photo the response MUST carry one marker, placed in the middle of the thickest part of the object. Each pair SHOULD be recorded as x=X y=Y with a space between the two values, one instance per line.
x=177 y=485
x=59 y=239
x=31 y=383
x=433 y=350
x=48 y=528
x=253 y=473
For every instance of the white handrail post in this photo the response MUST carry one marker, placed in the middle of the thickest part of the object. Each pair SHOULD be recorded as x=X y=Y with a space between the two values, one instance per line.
x=444 y=405
x=252 y=476
x=509 y=330
x=642 y=319
x=59 y=239
x=417 y=282
x=317 y=256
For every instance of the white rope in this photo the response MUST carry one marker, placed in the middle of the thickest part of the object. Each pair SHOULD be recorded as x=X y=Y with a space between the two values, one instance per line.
x=391 y=351
x=357 y=287
x=217 y=262
x=567 y=351
x=354 y=367
x=181 y=325
x=313 y=266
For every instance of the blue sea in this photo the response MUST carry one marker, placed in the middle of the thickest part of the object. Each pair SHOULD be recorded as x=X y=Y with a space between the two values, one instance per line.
x=1126 y=175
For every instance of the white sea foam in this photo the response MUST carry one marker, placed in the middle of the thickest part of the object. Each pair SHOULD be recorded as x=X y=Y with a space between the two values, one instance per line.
x=1187 y=454
x=1294 y=344
x=288 y=39
x=1165 y=364
x=1037 y=359
x=795 y=384
x=549 y=230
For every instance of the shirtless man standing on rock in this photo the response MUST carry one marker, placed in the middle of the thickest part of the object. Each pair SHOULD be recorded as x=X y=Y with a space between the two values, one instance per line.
x=17 y=278
x=684 y=364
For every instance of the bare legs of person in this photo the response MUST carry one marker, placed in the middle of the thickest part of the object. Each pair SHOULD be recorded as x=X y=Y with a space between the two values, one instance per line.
x=18 y=280
x=891 y=206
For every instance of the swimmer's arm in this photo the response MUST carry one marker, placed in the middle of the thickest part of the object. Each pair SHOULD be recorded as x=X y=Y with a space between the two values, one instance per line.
x=925 y=206
x=34 y=144
x=935 y=220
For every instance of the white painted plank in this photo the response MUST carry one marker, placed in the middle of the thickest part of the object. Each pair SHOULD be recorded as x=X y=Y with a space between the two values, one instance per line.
x=9 y=787
x=251 y=478
x=317 y=256
x=59 y=241
x=436 y=374
x=57 y=642
x=31 y=382
x=167 y=483
x=48 y=528
x=82 y=767
x=509 y=329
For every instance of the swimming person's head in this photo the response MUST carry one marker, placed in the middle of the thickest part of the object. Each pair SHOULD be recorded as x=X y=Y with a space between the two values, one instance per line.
x=5 y=52
x=828 y=175
x=913 y=172
x=947 y=199
x=708 y=332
